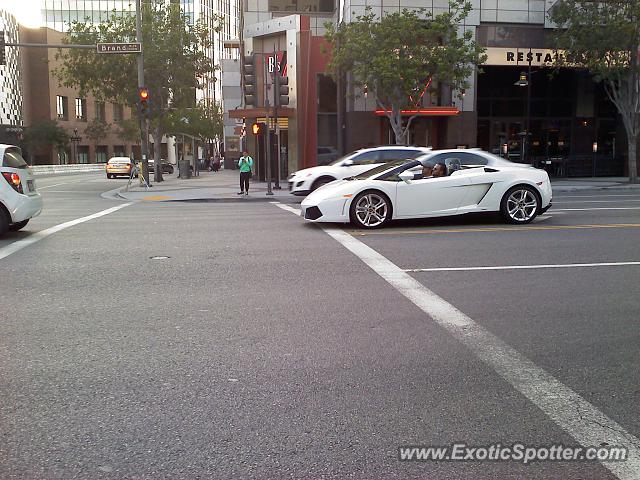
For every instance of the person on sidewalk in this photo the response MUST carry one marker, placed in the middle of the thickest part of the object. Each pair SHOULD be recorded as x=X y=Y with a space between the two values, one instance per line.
x=246 y=167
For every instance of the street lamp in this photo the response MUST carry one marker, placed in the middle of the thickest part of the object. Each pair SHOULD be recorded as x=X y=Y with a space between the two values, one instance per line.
x=525 y=81
x=74 y=145
x=595 y=152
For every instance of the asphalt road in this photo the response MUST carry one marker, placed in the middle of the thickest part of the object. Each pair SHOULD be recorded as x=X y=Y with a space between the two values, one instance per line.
x=232 y=340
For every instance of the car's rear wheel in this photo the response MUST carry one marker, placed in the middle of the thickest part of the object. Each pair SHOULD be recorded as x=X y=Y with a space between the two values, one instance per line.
x=14 y=227
x=370 y=210
x=520 y=204
x=320 y=182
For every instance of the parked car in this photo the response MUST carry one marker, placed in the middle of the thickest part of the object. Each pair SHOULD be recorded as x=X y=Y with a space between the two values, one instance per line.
x=306 y=181
x=19 y=199
x=166 y=166
x=397 y=190
x=118 y=166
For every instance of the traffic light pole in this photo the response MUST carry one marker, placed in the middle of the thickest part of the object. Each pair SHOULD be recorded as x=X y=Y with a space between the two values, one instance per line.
x=268 y=147
x=276 y=101
x=144 y=146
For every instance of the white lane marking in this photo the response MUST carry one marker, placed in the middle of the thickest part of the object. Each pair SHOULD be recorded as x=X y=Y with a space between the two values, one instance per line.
x=594 y=208
x=521 y=267
x=58 y=184
x=596 y=196
x=287 y=208
x=36 y=237
x=584 y=422
x=542 y=218
x=596 y=201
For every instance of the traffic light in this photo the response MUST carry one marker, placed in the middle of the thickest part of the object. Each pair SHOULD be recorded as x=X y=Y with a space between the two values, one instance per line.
x=282 y=90
x=144 y=101
x=3 y=58
x=248 y=80
x=257 y=128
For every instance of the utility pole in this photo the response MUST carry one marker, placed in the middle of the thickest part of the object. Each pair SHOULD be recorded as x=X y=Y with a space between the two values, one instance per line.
x=144 y=146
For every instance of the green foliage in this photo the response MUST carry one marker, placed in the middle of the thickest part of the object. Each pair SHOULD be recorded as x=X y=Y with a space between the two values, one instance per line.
x=97 y=129
x=604 y=38
x=201 y=122
x=46 y=134
x=396 y=55
x=129 y=130
x=174 y=58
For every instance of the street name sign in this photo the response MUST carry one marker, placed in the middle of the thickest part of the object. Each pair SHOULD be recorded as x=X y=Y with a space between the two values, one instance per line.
x=132 y=47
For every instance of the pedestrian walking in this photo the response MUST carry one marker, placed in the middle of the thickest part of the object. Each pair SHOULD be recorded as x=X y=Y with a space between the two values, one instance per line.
x=246 y=168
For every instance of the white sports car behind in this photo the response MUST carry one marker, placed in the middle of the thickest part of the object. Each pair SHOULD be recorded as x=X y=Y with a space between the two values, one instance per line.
x=396 y=190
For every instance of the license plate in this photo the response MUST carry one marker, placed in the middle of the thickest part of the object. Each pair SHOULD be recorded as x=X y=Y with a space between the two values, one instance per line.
x=31 y=185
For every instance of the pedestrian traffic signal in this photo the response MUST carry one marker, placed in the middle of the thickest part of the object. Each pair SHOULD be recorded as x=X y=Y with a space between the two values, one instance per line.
x=3 y=58
x=248 y=81
x=282 y=90
x=144 y=101
x=257 y=128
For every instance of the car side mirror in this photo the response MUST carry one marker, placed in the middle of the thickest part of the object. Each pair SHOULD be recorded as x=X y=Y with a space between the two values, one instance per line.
x=347 y=163
x=406 y=176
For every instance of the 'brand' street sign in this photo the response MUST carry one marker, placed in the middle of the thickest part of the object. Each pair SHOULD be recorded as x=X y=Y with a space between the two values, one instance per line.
x=133 y=47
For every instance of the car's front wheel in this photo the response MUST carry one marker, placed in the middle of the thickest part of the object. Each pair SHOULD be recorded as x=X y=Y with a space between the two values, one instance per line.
x=14 y=227
x=109 y=175
x=520 y=204
x=320 y=182
x=370 y=210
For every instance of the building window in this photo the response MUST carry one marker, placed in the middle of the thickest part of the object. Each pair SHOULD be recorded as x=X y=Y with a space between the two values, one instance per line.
x=62 y=107
x=302 y=5
x=100 y=111
x=102 y=152
x=83 y=154
x=81 y=109
x=118 y=112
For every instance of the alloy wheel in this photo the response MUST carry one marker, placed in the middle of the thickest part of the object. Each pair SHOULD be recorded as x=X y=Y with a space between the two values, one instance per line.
x=522 y=205
x=371 y=210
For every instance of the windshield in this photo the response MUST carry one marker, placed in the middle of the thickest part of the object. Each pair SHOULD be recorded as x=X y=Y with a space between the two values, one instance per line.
x=381 y=169
x=335 y=162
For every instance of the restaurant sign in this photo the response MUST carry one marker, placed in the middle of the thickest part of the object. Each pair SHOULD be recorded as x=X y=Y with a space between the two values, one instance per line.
x=537 y=57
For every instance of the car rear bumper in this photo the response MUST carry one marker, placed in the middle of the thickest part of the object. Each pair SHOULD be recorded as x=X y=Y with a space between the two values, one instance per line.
x=25 y=207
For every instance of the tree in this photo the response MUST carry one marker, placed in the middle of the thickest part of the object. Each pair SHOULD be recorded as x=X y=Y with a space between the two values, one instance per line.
x=175 y=62
x=604 y=38
x=45 y=134
x=397 y=56
x=97 y=129
x=129 y=130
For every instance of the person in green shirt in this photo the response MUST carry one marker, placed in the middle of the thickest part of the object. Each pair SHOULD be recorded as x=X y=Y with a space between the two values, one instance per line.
x=246 y=167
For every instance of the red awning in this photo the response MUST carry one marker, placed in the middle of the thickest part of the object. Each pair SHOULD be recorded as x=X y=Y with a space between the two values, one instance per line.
x=425 y=112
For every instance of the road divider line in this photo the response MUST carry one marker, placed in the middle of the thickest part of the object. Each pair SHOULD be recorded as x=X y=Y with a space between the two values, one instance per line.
x=496 y=229
x=36 y=237
x=583 y=421
x=591 y=209
x=595 y=201
x=579 y=418
x=520 y=267
x=287 y=208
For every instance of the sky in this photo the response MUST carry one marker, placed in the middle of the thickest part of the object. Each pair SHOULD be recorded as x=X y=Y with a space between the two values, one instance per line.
x=27 y=12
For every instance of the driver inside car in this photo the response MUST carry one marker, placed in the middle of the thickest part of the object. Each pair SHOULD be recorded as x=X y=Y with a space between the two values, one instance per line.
x=440 y=170
x=427 y=171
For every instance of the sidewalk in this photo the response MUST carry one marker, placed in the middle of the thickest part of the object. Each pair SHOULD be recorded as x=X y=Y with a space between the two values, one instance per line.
x=592 y=183
x=221 y=186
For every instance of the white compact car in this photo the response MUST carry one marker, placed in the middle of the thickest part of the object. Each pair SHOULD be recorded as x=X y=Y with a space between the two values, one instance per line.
x=19 y=199
x=397 y=190
x=306 y=181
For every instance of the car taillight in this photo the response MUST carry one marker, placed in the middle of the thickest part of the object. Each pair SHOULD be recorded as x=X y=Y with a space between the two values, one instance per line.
x=14 y=180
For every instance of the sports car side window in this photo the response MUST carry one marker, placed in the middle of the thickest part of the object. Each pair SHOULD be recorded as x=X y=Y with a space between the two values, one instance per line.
x=367 y=158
